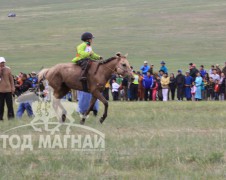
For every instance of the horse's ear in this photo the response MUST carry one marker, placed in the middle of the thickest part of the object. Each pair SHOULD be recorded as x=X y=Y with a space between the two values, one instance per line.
x=118 y=54
x=126 y=55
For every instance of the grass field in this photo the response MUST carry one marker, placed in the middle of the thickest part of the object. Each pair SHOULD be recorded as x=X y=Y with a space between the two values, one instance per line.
x=144 y=140
x=179 y=32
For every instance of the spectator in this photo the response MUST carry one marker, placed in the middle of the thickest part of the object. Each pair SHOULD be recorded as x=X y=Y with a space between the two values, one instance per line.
x=34 y=79
x=180 y=85
x=207 y=77
x=115 y=89
x=224 y=69
x=125 y=88
x=216 y=90
x=190 y=66
x=165 y=86
x=145 y=68
x=202 y=71
x=163 y=67
x=119 y=82
x=211 y=70
x=141 y=90
x=134 y=87
x=20 y=78
x=27 y=84
x=147 y=84
x=198 y=83
x=119 y=79
x=222 y=87
x=218 y=69
x=188 y=84
x=161 y=72
x=84 y=99
x=154 y=89
x=151 y=70
x=210 y=89
x=193 y=90
x=6 y=89
x=172 y=86
x=193 y=71
x=106 y=91
x=158 y=80
x=215 y=76
x=204 y=89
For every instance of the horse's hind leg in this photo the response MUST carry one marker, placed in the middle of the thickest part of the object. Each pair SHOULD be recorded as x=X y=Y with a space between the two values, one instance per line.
x=99 y=96
x=92 y=103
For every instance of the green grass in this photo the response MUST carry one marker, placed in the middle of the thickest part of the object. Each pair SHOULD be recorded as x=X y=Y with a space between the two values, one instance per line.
x=144 y=140
x=179 y=32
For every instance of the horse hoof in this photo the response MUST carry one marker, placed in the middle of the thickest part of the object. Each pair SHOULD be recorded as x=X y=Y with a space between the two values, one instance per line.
x=63 y=118
x=101 y=120
x=82 y=122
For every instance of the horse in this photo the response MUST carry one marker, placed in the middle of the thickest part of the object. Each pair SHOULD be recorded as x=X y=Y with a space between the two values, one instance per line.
x=65 y=76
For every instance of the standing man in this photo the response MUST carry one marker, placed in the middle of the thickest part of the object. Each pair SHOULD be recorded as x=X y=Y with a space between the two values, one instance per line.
x=163 y=67
x=125 y=88
x=180 y=80
x=215 y=76
x=6 y=89
x=193 y=71
x=188 y=84
x=134 y=87
x=147 y=84
x=145 y=68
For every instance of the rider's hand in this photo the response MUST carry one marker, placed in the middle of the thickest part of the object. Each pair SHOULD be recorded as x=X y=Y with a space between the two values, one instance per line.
x=91 y=53
x=101 y=58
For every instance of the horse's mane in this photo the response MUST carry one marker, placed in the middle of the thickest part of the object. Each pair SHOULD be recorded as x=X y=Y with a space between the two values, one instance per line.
x=106 y=60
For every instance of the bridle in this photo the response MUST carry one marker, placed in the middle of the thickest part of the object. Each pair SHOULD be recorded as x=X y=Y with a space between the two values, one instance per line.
x=115 y=69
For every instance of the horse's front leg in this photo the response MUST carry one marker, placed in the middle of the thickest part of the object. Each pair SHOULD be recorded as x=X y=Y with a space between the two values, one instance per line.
x=105 y=102
x=92 y=103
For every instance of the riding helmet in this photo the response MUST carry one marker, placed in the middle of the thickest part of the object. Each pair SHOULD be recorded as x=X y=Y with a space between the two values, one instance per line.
x=86 y=36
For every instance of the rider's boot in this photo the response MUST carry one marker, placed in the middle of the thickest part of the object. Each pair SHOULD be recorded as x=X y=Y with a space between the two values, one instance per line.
x=83 y=75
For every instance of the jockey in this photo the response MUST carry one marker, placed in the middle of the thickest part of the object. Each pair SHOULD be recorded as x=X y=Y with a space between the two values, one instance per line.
x=85 y=54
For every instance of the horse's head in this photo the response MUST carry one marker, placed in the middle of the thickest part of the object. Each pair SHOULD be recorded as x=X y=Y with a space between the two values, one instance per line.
x=123 y=67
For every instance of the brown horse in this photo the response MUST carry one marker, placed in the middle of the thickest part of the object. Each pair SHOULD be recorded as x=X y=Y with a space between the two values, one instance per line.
x=63 y=77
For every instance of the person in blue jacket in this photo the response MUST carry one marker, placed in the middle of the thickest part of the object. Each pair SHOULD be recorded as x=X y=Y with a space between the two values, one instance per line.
x=145 y=68
x=163 y=67
x=188 y=84
x=198 y=84
x=147 y=84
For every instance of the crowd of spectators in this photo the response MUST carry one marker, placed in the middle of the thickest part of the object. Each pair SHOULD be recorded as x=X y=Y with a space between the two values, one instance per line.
x=147 y=85
x=195 y=84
